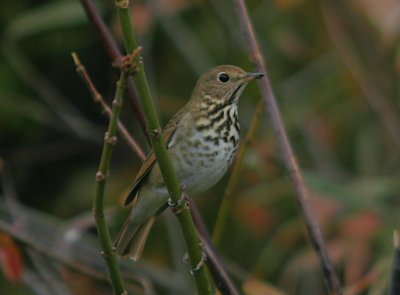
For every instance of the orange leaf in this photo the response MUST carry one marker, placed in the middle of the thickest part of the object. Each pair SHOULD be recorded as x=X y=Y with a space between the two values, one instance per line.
x=10 y=258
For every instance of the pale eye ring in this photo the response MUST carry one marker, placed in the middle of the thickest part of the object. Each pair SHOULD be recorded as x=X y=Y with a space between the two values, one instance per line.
x=223 y=77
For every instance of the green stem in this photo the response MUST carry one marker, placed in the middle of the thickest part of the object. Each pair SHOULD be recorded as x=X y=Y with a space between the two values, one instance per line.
x=101 y=177
x=227 y=199
x=165 y=164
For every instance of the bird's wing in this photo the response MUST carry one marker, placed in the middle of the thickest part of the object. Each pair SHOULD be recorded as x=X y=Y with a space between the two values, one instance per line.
x=151 y=159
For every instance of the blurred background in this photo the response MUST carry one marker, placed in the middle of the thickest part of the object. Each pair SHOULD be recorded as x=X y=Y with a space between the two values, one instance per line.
x=335 y=70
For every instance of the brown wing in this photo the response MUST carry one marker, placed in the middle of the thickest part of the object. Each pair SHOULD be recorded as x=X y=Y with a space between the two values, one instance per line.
x=150 y=161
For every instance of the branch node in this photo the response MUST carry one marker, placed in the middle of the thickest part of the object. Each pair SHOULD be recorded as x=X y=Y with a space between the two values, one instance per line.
x=131 y=61
x=180 y=205
x=122 y=4
x=100 y=176
x=111 y=140
x=116 y=103
x=200 y=264
x=79 y=67
x=97 y=97
x=154 y=134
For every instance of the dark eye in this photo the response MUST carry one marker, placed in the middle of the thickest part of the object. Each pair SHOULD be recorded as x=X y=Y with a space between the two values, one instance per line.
x=223 y=77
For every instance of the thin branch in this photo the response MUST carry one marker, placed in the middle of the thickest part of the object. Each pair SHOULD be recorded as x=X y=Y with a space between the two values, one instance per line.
x=97 y=97
x=195 y=252
x=114 y=54
x=289 y=158
x=227 y=199
x=110 y=140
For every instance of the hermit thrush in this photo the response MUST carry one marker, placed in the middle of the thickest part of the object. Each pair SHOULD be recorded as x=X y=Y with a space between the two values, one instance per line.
x=201 y=139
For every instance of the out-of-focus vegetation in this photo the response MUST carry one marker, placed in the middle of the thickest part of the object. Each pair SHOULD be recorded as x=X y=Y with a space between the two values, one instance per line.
x=332 y=68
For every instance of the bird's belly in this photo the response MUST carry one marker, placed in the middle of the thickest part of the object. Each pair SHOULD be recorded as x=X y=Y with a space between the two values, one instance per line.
x=203 y=160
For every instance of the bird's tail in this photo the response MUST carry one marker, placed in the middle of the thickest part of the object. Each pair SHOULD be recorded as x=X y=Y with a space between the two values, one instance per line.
x=132 y=237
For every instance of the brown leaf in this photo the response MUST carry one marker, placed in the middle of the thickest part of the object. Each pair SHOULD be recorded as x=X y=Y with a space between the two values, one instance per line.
x=10 y=259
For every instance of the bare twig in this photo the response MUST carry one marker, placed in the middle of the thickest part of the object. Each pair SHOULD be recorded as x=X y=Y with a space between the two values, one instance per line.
x=115 y=55
x=97 y=97
x=289 y=158
x=129 y=66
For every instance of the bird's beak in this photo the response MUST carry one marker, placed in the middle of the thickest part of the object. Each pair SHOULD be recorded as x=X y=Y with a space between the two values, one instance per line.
x=252 y=76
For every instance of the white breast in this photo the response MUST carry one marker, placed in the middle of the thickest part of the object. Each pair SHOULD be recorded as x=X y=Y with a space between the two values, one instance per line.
x=203 y=157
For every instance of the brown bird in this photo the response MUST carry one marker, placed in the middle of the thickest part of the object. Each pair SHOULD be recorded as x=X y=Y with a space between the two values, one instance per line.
x=201 y=138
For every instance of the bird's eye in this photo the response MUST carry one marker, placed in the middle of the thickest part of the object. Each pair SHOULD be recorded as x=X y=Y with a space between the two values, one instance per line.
x=223 y=77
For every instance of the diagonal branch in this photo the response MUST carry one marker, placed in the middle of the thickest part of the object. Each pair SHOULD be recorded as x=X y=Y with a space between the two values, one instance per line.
x=289 y=158
x=114 y=54
x=97 y=97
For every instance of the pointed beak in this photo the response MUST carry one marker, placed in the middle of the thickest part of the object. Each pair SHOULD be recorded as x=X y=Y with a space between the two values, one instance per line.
x=252 y=76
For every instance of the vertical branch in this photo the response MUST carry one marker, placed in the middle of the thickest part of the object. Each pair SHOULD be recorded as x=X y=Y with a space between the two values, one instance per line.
x=287 y=153
x=110 y=140
x=177 y=197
